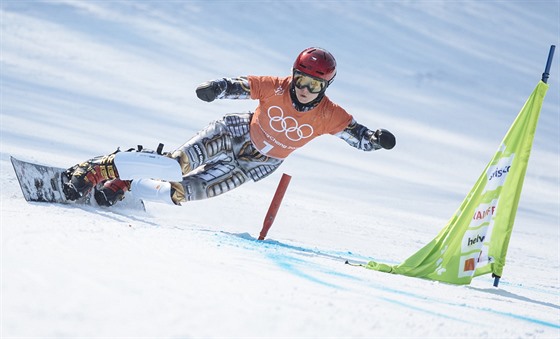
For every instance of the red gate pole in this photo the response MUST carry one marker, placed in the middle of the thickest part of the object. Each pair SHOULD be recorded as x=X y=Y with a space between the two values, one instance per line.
x=275 y=204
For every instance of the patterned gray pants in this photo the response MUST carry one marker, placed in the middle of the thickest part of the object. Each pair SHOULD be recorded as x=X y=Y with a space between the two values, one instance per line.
x=220 y=158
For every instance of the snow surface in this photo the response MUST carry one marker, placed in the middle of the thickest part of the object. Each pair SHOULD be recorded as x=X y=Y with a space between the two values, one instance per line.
x=80 y=78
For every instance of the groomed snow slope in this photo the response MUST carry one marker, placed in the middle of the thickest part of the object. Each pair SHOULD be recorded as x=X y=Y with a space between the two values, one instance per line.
x=80 y=78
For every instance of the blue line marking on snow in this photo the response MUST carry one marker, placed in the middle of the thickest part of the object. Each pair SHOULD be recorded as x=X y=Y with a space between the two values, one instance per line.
x=290 y=261
x=417 y=308
x=489 y=310
x=267 y=243
x=517 y=316
x=341 y=275
x=289 y=264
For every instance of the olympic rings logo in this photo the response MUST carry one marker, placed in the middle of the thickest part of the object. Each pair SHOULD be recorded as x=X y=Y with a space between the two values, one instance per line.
x=288 y=125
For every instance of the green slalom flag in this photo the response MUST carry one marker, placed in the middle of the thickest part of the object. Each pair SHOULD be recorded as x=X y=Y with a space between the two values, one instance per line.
x=475 y=240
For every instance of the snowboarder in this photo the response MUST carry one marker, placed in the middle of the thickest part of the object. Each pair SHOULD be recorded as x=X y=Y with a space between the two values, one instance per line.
x=237 y=148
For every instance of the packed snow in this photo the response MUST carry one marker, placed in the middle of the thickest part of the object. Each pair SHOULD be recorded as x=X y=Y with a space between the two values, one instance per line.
x=81 y=78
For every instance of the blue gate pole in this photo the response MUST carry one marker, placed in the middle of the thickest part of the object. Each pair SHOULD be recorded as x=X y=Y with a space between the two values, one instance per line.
x=548 y=64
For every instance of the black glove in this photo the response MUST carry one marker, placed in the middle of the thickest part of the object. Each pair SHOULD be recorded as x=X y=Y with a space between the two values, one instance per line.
x=111 y=192
x=384 y=138
x=209 y=91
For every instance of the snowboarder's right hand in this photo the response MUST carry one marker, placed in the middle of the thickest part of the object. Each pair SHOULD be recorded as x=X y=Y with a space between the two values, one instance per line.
x=209 y=90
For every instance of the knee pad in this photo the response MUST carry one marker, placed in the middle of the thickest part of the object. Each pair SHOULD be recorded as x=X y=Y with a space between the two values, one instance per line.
x=137 y=165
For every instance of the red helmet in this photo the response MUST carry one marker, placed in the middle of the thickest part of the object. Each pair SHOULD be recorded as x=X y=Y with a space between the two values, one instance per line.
x=316 y=62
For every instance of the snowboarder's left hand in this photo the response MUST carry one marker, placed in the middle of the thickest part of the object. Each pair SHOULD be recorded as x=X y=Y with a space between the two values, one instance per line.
x=384 y=138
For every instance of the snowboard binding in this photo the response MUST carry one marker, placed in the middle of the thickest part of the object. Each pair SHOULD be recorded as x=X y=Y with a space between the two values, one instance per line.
x=83 y=177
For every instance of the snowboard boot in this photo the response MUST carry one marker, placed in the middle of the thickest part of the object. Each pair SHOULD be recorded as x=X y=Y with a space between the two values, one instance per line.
x=158 y=191
x=83 y=177
x=111 y=192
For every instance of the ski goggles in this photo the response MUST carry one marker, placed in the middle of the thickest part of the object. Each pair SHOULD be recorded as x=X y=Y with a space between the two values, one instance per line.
x=314 y=85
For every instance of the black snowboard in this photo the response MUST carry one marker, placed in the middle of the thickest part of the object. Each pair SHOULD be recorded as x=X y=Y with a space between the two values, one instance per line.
x=41 y=183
